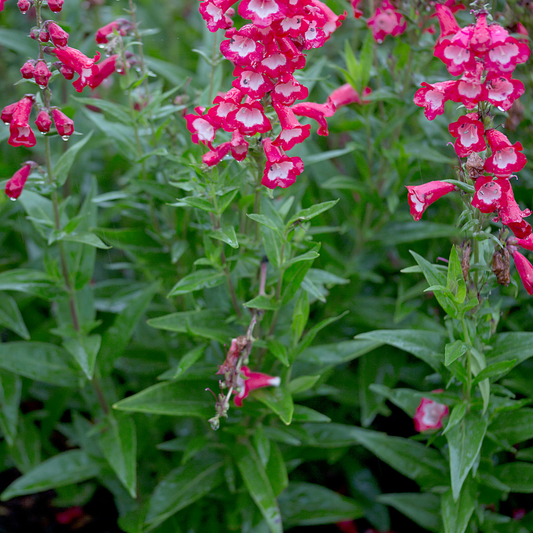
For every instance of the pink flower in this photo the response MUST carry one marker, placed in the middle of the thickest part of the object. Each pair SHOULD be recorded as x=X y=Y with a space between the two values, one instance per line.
x=216 y=155
x=505 y=51
x=262 y=13
x=420 y=197
x=249 y=118
x=20 y=132
x=502 y=91
x=357 y=13
x=506 y=158
x=455 y=52
x=200 y=125
x=78 y=62
x=249 y=381
x=122 y=26
x=55 y=5
x=512 y=216
x=469 y=90
x=225 y=103
x=317 y=112
x=432 y=97
x=491 y=194
x=251 y=83
x=346 y=94
x=280 y=170
x=217 y=13
x=64 y=125
x=448 y=24
x=238 y=146
x=332 y=21
x=105 y=69
x=386 y=21
x=7 y=113
x=28 y=69
x=523 y=243
x=429 y=414
x=241 y=48
x=43 y=121
x=16 y=184
x=525 y=271
x=58 y=35
x=287 y=91
x=23 y=5
x=41 y=74
x=469 y=133
x=292 y=132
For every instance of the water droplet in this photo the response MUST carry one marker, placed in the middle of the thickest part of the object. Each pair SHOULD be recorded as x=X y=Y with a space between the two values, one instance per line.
x=7 y=123
x=42 y=132
x=42 y=87
x=23 y=12
x=65 y=137
x=13 y=199
x=101 y=46
x=119 y=71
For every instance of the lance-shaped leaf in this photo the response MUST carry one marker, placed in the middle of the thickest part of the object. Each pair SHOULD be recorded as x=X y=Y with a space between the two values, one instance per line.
x=514 y=427
x=456 y=512
x=517 y=476
x=65 y=162
x=84 y=350
x=279 y=399
x=66 y=468
x=10 y=391
x=32 y=282
x=311 y=212
x=424 y=509
x=512 y=345
x=10 y=316
x=202 y=279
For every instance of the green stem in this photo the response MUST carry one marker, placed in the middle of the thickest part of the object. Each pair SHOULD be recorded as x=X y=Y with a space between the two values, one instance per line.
x=214 y=54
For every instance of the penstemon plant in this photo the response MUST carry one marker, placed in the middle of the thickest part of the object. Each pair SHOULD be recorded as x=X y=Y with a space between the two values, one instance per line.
x=178 y=329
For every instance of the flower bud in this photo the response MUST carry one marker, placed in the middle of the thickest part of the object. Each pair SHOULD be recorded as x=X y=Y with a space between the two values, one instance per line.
x=24 y=5
x=42 y=74
x=43 y=121
x=34 y=33
x=44 y=36
x=63 y=124
x=7 y=113
x=67 y=71
x=57 y=34
x=16 y=184
x=28 y=69
x=55 y=5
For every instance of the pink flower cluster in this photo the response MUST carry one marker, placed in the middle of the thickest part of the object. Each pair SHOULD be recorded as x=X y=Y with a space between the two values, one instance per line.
x=485 y=56
x=429 y=414
x=266 y=53
x=386 y=20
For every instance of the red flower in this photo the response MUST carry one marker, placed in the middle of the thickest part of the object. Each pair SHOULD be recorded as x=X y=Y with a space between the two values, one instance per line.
x=216 y=155
x=429 y=414
x=505 y=51
x=280 y=169
x=448 y=24
x=241 y=48
x=262 y=13
x=80 y=63
x=469 y=90
x=238 y=146
x=317 y=112
x=346 y=94
x=55 y=5
x=41 y=74
x=57 y=35
x=506 y=158
x=491 y=194
x=386 y=21
x=216 y=14
x=469 y=133
x=225 y=104
x=64 y=125
x=28 y=69
x=122 y=26
x=432 y=97
x=332 y=21
x=43 y=121
x=23 y=5
x=202 y=129
x=7 y=113
x=287 y=91
x=502 y=91
x=455 y=52
x=420 y=197
x=512 y=216
x=20 y=132
x=105 y=69
x=249 y=118
x=16 y=184
x=525 y=271
x=251 y=83
x=357 y=13
x=292 y=131
x=249 y=381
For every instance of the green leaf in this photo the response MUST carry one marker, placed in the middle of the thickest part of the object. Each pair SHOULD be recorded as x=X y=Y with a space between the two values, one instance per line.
x=406 y=399
x=279 y=399
x=525 y=455
x=185 y=363
x=183 y=486
x=279 y=351
x=464 y=441
x=201 y=279
x=455 y=282
x=119 y=444
x=396 y=233
x=307 y=256
x=32 y=282
x=424 y=509
x=293 y=278
x=264 y=220
x=367 y=59
x=271 y=240
x=426 y=345
x=17 y=41
x=226 y=235
x=311 y=212
x=495 y=371
x=306 y=414
x=456 y=513
x=176 y=398
x=518 y=476
x=305 y=504
x=10 y=392
x=117 y=337
x=26 y=449
x=341 y=182
x=39 y=361
x=120 y=112
x=300 y=316
x=85 y=237
x=67 y=468
x=262 y=302
x=276 y=471
x=513 y=427
x=509 y=346
x=130 y=239
x=302 y=383
x=65 y=162
x=456 y=416
x=195 y=201
x=453 y=351
x=10 y=316
x=258 y=485
x=84 y=350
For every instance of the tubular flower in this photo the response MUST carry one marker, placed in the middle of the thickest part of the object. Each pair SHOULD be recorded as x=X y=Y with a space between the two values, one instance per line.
x=280 y=169
x=346 y=94
x=58 y=35
x=28 y=69
x=15 y=185
x=386 y=21
x=490 y=194
x=432 y=98
x=122 y=26
x=506 y=158
x=64 y=125
x=512 y=216
x=357 y=13
x=317 y=112
x=249 y=381
x=201 y=127
x=7 y=113
x=448 y=24
x=217 y=14
x=20 y=132
x=525 y=271
x=105 y=69
x=469 y=90
x=249 y=118
x=286 y=92
x=251 y=83
x=292 y=132
x=55 y=5
x=80 y=63
x=429 y=414
x=502 y=91
x=468 y=131
x=420 y=197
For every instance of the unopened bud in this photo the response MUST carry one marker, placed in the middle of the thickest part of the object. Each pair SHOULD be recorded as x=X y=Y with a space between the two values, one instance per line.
x=58 y=35
x=474 y=166
x=44 y=36
x=55 y=5
x=43 y=121
x=34 y=33
x=23 y=5
x=67 y=71
x=41 y=74
x=64 y=125
x=500 y=266
x=28 y=69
